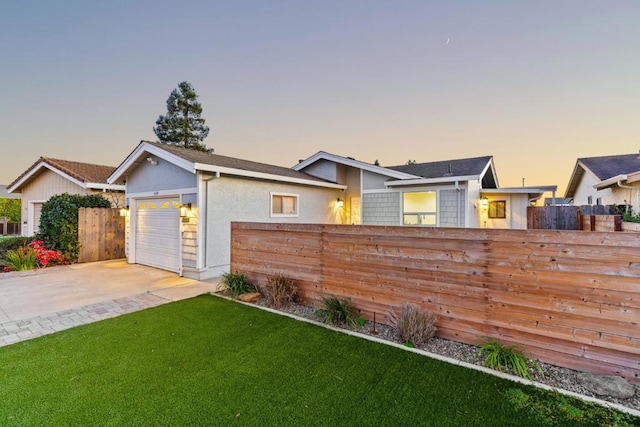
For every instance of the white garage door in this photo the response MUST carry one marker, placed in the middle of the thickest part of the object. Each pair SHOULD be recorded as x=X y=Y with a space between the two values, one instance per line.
x=158 y=233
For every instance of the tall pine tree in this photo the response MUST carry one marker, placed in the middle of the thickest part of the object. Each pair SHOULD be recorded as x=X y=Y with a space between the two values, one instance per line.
x=182 y=126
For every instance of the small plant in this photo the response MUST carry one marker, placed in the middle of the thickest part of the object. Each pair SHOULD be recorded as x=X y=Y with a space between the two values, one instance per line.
x=281 y=291
x=21 y=259
x=507 y=358
x=413 y=324
x=237 y=283
x=339 y=313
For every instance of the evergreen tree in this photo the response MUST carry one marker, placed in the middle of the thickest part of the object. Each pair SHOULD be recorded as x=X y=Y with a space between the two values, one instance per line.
x=182 y=126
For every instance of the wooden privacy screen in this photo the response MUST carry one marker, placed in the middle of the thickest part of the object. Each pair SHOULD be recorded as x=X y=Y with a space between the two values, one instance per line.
x=100 y=234
x=565 y=297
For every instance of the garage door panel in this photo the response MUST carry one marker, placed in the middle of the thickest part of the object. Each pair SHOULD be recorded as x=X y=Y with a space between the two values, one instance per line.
x=158 y=233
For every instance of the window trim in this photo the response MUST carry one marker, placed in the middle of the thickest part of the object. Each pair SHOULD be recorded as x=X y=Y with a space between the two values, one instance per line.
x=435 y=214
x=493 y=204
x=272 y=214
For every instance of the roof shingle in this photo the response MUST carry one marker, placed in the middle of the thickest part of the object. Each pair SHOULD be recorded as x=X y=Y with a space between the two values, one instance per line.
x=606 y=167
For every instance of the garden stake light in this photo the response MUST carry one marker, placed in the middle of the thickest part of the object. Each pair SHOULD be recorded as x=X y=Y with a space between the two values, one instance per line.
x=373 y=331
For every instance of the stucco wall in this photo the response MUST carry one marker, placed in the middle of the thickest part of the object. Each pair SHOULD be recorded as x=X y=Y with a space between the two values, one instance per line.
x=373 y=181
x=613 y=195
x=323 y=169
x=234 y=199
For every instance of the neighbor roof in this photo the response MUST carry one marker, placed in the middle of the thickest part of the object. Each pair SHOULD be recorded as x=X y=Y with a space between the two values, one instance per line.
x=193 y=160
x=87 y=175
x=602 y=168
x=470 y=167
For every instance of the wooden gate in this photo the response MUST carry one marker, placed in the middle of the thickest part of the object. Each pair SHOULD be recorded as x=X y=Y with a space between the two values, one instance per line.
x=101 y=233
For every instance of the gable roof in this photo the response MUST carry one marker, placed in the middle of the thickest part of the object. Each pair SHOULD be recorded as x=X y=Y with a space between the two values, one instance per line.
x=349 y=161
x=86 y=175
x=192 y=161
x=457 y=169
x=605 y=169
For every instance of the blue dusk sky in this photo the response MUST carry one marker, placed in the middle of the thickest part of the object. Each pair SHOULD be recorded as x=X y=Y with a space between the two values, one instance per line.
x=536 y=84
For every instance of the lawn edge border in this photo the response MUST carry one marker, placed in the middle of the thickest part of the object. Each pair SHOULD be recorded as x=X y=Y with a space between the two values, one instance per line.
x=445 y=359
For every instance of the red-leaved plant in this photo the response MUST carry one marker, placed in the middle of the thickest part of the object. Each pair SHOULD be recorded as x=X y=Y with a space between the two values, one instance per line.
x=47 y=257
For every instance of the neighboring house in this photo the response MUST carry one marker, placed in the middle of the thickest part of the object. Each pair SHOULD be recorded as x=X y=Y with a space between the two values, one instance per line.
x=451 y=193
x=606 y=180
x=48 y=177
x=4 y=194
x=211 y=191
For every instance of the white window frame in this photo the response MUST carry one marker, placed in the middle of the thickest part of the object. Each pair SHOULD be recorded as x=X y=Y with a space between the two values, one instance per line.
x=284 y=215
x=435 y=214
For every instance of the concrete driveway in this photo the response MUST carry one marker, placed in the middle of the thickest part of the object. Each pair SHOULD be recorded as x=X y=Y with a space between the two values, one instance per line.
x=37 y=293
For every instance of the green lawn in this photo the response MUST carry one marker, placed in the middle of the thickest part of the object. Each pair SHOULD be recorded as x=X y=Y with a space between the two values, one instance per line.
x=208 y=361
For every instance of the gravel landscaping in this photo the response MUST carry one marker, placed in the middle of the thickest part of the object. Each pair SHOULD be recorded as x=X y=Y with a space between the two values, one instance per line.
x=554 y=376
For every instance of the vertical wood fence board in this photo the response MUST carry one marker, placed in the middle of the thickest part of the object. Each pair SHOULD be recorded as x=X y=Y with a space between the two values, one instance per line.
x=101 y=234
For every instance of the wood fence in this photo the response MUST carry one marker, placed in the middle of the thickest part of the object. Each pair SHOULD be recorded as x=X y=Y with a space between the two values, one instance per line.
x=552 y=217
x=100 y=234
x=9 y=228
x=565 y=297
x=606 y=223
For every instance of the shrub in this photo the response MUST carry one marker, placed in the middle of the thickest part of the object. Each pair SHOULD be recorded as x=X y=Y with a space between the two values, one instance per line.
x=12 y=243
x=32 y=256
x=59 y=221
x=281 y=291
x=21 y=259
x=339 y=313
x=507 y=358
x=237 y=283
x=414 y=325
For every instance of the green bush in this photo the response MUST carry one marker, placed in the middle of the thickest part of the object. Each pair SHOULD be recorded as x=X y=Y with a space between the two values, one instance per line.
x=237 y=283
x=59 y=221
x=507 y=358
x=10 y=208
x=413 y=324
x=22 y=259
x=281 y=291
x=12 y=243
x=339 y=313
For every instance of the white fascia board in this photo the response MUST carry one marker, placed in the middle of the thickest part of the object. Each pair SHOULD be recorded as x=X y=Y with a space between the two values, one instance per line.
x=427 y=181
x=163 y=193
x=493 y=170
x=519 y=190
x=260 y=175
x=40 y=166
x=353 y=163
x=610 y=181
x=140 y=151
x=100 y=186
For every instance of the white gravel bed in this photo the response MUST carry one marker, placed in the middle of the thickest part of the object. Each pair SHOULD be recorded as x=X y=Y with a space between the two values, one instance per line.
x=554 y=376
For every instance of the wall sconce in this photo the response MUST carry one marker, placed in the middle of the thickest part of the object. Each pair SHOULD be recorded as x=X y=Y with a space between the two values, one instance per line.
x=152 y=160
x=340 y=203
x=484 y=202
x=185 y=210
x=124 y=211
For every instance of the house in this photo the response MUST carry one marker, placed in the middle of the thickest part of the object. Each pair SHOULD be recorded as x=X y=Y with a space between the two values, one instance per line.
x=48 y=177
x=606 y=180
x=451 y=193
x=181 y=204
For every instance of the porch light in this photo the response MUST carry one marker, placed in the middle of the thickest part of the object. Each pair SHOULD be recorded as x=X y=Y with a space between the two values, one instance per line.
x=484 y=202
x=124 y=211
x=185 y=209
x=340 y=203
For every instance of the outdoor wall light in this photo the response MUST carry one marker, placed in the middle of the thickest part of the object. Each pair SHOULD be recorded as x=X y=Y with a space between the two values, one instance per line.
x=124 y=211
x=340 y=203
x=484 y=202
x=185 y=209
x=152 y=160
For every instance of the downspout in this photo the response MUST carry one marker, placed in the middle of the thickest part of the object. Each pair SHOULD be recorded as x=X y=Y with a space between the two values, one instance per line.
x=458 y=203
x=630 y=187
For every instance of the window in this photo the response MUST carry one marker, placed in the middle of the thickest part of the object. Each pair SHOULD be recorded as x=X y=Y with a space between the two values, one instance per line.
x=589 y=200
x=284 y=205
x=497 y=209
x=599 y=201
x=419 y=208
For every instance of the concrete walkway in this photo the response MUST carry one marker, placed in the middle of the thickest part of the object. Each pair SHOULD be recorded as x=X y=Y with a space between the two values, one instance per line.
x=40 y=302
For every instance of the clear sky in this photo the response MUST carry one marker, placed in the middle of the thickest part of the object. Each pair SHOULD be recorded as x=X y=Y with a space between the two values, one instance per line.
x=536 y=84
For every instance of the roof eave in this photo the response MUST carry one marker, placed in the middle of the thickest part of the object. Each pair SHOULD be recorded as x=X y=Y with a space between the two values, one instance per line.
x=266 y=176
x=610 y=181
x=427 y=181
x=321 y=155
x=42 y=164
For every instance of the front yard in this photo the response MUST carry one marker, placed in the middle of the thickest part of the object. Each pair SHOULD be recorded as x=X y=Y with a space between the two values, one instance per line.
x=209 y=361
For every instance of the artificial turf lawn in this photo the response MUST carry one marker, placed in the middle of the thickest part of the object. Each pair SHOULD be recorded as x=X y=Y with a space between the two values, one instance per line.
x=209 y=361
